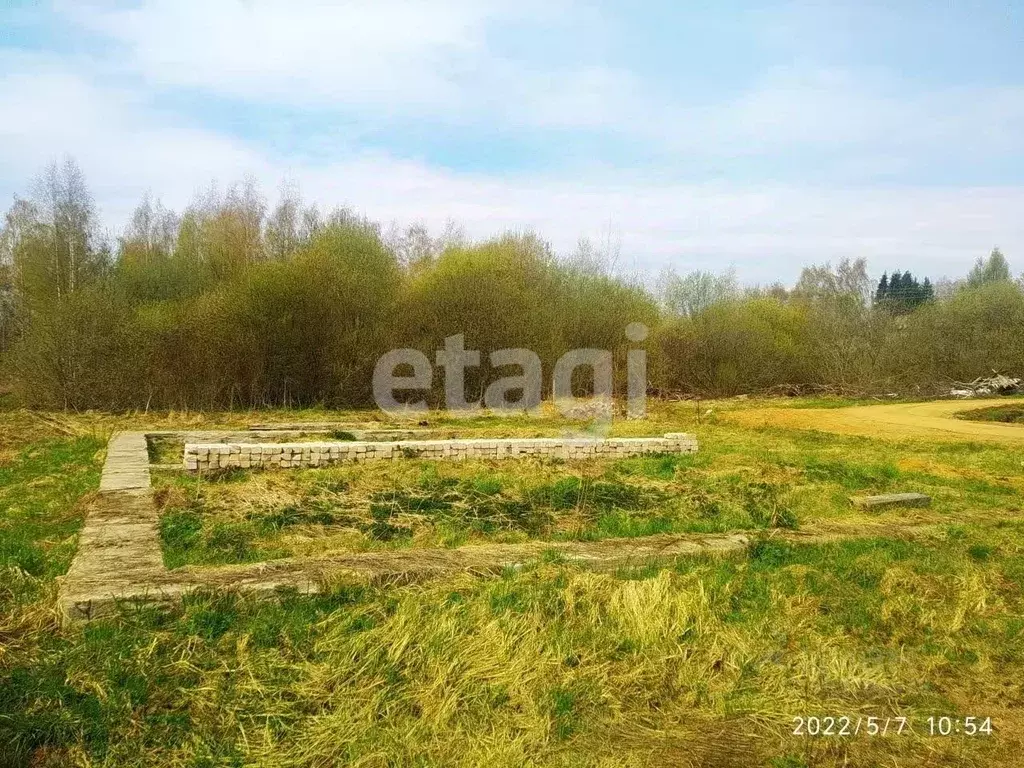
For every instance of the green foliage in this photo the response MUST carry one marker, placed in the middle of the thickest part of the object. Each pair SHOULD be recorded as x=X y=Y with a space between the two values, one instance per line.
x=994 y=269
x=853 y=476
x=470 y=505
x=734 y=347
x=902 y=292
x=187 y=539
x=973 y=332
x=766 y=505
x=36 y=529
x=512 y=293
x=1005 y=414
x=229 y=306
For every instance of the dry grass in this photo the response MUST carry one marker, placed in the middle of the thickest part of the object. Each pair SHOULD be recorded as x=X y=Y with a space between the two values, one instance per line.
x=551 y=665
x=741 y=479
x=702 y=663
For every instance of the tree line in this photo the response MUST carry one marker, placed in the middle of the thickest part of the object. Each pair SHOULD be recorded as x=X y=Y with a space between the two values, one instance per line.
x=233 y=304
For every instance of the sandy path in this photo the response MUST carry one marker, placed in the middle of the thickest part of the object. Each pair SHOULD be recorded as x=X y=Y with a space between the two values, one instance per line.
x=931 y=421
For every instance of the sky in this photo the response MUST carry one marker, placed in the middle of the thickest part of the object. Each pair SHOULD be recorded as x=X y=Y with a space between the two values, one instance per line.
x=758 y=135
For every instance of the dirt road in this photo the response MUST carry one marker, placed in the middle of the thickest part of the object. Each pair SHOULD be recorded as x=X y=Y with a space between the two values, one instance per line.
x=931 y=421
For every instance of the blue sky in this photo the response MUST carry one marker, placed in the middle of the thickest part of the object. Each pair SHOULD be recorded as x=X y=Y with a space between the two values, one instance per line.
x=759 y=135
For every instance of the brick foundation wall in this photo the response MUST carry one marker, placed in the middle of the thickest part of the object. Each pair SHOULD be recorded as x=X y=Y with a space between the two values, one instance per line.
x=206 y=456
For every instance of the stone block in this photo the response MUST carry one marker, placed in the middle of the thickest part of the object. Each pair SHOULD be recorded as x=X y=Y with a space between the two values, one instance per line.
x=891 y=500
x=316 y=454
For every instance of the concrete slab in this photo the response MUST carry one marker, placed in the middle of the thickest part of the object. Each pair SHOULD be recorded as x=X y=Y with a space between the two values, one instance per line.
x=119 y=559
x=891 y=500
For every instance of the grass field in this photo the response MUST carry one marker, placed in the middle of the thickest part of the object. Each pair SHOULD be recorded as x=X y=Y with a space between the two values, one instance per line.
x=704 y=662
x=741 y=480
x=1006 y=414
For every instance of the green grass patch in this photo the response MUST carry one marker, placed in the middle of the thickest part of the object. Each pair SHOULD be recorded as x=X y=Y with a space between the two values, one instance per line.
x=851 y=475
x=1012 y=413
x=40 y=491
x=187 y=540
x=585 y=494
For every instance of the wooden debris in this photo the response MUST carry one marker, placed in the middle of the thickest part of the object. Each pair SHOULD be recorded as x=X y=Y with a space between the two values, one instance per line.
x=983 y=386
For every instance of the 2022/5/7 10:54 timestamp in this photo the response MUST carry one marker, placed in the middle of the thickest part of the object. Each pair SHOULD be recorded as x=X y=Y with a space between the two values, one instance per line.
x=864 y=725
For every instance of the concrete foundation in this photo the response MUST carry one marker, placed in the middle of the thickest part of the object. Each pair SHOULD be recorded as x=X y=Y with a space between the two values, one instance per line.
x=202 y=457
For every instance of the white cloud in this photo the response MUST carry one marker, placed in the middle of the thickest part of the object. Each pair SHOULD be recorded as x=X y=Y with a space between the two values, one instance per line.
x=835 y=109
x=360 y=52
x=437 y=58
x=767 y=231
x=122 y=147
x=381 y=60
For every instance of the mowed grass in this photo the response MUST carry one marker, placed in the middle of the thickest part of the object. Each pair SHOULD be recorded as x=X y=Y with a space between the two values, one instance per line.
x=704 y=662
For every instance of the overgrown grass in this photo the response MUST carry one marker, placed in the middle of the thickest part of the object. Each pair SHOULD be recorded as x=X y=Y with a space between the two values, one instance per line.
x=244 y=517
x=708 y=659
x=557 y=665
x=39 y=491
x=740 y=480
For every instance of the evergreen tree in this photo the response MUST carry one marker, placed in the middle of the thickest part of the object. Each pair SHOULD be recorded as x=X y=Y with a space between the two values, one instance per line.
x=883 y=288
x=909 y=288
x=902 y=292
x=928 y=290
x=895 y=286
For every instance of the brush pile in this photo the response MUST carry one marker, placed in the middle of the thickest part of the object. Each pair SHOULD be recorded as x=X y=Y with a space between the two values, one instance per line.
x=996 y=384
